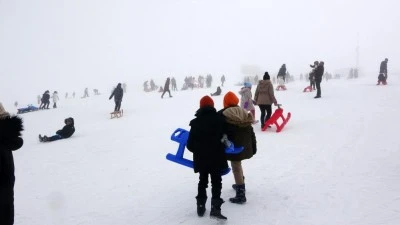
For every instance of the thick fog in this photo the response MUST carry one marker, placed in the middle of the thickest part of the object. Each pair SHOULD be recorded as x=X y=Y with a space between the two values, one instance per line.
x=70 y=45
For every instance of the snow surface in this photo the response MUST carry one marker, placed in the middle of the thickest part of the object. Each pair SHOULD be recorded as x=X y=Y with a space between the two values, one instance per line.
x=336 y=161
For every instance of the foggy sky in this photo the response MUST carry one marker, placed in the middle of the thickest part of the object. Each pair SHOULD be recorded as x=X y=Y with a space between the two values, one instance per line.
x=71 y=44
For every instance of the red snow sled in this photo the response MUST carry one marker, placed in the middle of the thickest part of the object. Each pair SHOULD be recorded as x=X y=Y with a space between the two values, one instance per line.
x=281 y=87
x=308 y=89
x=274 y=120
x=381 y=82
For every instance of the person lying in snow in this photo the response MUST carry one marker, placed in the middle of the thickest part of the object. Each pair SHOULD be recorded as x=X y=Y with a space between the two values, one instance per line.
x=67 y=131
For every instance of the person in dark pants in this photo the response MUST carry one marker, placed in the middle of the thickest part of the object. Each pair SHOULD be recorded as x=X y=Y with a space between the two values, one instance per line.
x=383 y=69
x=217 y=93
x=45 y=100
x=319 y=71
x=118 y=94
x=10 y=140
x=166 y=88
x=264 y=97
x=282 y=73
x=67 y=131
x=204 y=141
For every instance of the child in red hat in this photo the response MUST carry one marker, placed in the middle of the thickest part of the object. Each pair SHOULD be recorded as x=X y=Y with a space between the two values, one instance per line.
x=208 y=155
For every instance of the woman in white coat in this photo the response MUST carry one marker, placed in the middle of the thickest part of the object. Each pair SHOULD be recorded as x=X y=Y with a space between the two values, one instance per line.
x=55 y=99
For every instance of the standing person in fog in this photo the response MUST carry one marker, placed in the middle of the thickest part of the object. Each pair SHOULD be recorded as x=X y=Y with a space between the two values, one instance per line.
x=208 y=155
x=166 y=88
x=55 y=99
x=264 y=97
x=118 y=94
x=10 y=140
x=319 y=72
x=238 y=128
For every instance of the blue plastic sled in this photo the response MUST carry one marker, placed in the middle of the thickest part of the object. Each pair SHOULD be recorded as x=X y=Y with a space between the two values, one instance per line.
x=181 y=136
x=30 y=108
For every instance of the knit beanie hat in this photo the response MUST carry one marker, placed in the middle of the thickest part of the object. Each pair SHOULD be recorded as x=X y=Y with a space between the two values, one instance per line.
x=206 y=101
x=266 y=76
x=3 y=112
x=230 y=99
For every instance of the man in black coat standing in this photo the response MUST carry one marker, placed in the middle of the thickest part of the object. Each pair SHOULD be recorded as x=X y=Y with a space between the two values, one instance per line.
x=118 y=94
x=208 y=155
x=282 y=72
x=383 y=68
x=319 y=71
x=10 y=140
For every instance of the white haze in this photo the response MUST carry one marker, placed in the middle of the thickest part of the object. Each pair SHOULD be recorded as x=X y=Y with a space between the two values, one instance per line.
x=70 y=45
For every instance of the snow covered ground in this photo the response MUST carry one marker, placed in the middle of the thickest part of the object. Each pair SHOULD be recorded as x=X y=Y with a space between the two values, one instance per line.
x=336 y=161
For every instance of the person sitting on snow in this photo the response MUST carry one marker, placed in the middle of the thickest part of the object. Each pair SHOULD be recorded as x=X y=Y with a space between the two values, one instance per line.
x=217 y=93
x=67 y=131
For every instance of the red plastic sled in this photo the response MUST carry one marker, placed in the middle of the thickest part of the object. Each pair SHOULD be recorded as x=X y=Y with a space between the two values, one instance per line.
x=381 y=82
x=281 y=87
x=308 y=89
x=274 y=120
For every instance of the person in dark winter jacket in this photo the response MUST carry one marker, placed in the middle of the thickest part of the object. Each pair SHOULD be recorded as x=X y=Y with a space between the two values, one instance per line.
x=10 y=140
x=166 y=88
x=282 y=73
x=45 y=100
x=209 y=158
x=67 y=131
x=118 y=94
x=217 y=93
x=238 y=128
x=383 y=71
x=319 y=72
x=312 y=74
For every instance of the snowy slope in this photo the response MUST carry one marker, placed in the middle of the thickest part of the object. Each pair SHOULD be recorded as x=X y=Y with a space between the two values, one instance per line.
x=336 y=162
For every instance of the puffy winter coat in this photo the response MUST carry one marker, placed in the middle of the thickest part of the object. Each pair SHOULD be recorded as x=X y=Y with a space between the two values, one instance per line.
x=238 y=127
x=166 y=85
x=55 y=97
x=319 y=72
x=46 y=98
x=205 y=141
x=246 y=100
x=383 y=67
x=118 y=93
x=67 y=131
x=264 y=93
x=10 y=140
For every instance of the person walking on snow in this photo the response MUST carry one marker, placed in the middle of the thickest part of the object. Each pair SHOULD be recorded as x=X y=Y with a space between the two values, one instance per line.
x=222 y=80
x=382 y=78
x=282 y=73
x=45 y=100
x=166 y=88
x=264 y=97
x=246 y=100
x=209 y=159
x=55 y=99
x=319 y=72
x=10 y=140
x=67 y=131
x=239 y=130
x=118 y=94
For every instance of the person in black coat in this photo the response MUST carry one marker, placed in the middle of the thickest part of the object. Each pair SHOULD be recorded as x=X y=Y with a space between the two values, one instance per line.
x=218 y=92
x=208 y=154
x=383 y=68
x=10 y=140
x=166 y=88
x=118 y=94
x=319 y=72
x=45 y=100
x=282 y=72
x=67 y=131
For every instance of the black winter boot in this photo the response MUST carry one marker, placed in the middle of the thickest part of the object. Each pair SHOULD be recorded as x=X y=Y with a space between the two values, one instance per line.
x=234 y=186
x=201 y=206
x=240 y=197
x=215 y=212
